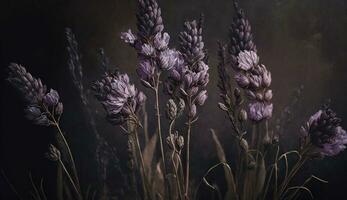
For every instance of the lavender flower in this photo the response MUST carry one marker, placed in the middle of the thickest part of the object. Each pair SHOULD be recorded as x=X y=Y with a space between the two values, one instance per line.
x=128 y=37
x=241 y=38
x=119 y=98
x=192 y=46
x=161 y=41
x=146 y=72
x=259 y=111
x=147 y=50
x=247 y=60
x=169 y=59
x=324 y=132
x=31 y=88
x=39 y=102
x=149 y=20
x=255 y=79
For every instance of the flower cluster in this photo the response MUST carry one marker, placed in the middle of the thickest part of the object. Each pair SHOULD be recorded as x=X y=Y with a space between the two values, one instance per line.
x=151 y=43
x=241 y=38
x=255 y=79
x=120 y=99
x=191 y=73
x=324 y=132
x=41 y=105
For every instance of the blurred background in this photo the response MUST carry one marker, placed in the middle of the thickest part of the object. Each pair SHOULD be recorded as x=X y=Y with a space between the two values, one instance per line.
x=302 y=42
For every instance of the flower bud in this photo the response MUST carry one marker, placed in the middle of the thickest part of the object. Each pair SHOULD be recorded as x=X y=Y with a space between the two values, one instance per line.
x=53 y=153
x=192 y=111
x=171 y=109
x=59 y=109
x=201 y=98
x=181 y=106
x=242 y=115
x=244 y=144
x=268 y=95
x=180 y=142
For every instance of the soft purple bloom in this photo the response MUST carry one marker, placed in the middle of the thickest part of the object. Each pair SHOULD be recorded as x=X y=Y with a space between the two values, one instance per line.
x=161 y=41
x=146 y=71
x=323 y=130
x=247 y=60
x=119 y=98
x=39 y=103
x=257 y=111
x=147 y=50
x=242 y=80
x=52 y=98
x=192 y=111
x=268 y=95
x=169 y=58
x=128 y=37
x=31 y=88
x=59 y=109
x=34 y=114
x=201 y=98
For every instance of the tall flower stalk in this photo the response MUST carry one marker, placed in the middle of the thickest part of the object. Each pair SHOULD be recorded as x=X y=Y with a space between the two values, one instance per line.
x=43 y=108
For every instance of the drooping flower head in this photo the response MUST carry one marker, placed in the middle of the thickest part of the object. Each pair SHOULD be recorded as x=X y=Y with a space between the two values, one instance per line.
x=324 y=132
x=119 y=98
x=39 y=101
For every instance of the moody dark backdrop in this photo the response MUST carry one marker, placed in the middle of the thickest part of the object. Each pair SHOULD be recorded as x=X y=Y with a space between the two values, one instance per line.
x=300 y=41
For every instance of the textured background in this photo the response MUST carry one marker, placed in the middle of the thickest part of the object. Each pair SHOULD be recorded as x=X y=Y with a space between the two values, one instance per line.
x=300 y=41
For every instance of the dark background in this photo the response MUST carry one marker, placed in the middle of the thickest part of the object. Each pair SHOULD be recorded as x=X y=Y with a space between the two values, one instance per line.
x=300 y=41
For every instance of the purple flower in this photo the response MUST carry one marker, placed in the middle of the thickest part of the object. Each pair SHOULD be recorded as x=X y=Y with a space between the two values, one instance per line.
x=31 y=88
x=52 y=98
x=242 y=80
x=247 y=60
x=128 y=37
x=147 y=50
x=146 y=71
x=161 y=41
x=324 y=132
x=119 y=98
x=39 y=103
x=201 y=98
x=192 y=111
x=34 y=114
x=169 y=58
x=257 y=111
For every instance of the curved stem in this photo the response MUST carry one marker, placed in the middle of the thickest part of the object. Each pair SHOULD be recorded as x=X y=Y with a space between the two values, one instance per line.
x=70 y=178
x=173 y=161
x=69 y=152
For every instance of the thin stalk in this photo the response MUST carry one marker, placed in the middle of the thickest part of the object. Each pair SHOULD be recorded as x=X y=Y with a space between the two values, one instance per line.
x=292 y=173
x=142 y=172
x=70 y=178
x=156 y=90
x=188 y=157
x=56 y=124
x=173 y=162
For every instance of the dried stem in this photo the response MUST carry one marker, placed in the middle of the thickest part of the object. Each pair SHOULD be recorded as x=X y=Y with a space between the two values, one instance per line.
x=188 y=156
x=70 y=178
x=157 y=108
